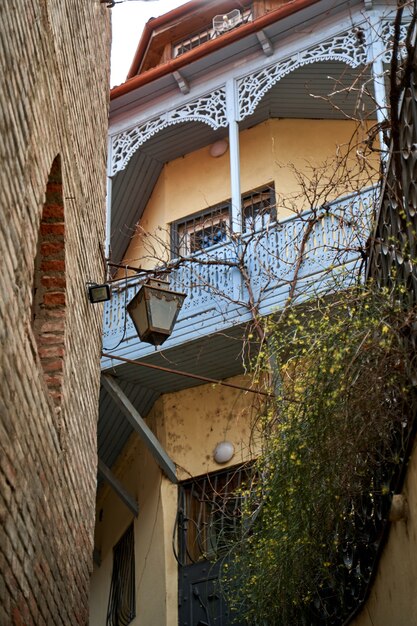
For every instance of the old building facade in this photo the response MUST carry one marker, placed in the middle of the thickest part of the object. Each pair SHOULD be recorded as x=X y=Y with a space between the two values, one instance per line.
x=240 y=125
x=53 y=118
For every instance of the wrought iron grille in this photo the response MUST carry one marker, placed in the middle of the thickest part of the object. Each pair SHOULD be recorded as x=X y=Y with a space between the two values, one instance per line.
x=211 y=227
x=393 y=255
x=122 y=600
x=209 y=514
x=362 y=534
x=393 y=264
x=201 y=231
x=259 y=208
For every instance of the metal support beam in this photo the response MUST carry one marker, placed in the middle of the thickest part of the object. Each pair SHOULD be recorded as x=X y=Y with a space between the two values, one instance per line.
x=267 y=47
x=106 y=473
x=139 y=425
x=182 y=82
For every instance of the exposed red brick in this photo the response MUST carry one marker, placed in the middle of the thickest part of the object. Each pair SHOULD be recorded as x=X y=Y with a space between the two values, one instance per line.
x=53 y=366
x=51 y=352
x=52 y=266
x=55 y=248
x=55 y=139
x=53 y=211
x=52 y=327
x=56 y=314
x=49 y=339
x=54 y=298
x=52 y=228
x=53 y=381
x=53 y=281
x=53 y=187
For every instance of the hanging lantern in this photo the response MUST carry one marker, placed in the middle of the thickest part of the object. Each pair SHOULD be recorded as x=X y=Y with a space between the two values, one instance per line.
x=154 y=311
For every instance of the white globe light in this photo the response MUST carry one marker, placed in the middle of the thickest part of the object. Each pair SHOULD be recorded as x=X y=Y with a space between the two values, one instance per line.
x=218 y=148
x=224 y=452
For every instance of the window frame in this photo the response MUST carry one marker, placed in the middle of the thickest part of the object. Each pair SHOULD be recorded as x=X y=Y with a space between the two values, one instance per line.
x=195 y=223
x=180 y=230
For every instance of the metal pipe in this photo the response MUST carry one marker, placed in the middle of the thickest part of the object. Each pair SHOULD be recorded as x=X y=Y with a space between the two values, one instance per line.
x=204 y=379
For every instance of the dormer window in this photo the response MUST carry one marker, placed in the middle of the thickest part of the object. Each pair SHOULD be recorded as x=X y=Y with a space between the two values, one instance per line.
x=185 y=45
x=219 y=25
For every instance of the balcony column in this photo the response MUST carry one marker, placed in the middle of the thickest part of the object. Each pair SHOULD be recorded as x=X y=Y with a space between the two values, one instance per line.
x=231 y=110
x=376 y=51
x=108 y=202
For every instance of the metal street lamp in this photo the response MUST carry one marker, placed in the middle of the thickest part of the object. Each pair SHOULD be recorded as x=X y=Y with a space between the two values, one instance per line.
x=154 y=311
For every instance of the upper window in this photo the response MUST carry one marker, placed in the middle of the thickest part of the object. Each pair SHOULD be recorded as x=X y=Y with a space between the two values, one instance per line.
x=220 y=24
x=201 y=231
x=212 y=226
x=192 y=41
x=259 y=208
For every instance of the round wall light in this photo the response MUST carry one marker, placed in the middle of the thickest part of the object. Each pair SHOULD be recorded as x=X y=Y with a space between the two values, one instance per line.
x=218 y=148
x=223 y=452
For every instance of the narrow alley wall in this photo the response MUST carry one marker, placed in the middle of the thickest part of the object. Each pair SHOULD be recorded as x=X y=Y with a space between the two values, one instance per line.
x=54 y=71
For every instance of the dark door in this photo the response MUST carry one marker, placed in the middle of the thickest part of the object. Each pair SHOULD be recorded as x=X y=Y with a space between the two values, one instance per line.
x=209 y=512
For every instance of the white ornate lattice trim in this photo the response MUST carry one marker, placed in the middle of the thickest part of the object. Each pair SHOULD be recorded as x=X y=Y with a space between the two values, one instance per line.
x=347 y=47
x=387 y=36
x=210 y=109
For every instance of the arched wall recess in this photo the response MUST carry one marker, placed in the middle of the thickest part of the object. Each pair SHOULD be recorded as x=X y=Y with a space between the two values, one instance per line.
x=49 y=285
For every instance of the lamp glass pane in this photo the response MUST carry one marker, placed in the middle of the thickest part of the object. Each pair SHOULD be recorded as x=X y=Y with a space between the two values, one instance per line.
x=162 y=311
x=137 y=310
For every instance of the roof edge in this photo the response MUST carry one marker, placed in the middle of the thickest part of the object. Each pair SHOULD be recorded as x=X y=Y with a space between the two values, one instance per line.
x=138 y=80
x=153 y=24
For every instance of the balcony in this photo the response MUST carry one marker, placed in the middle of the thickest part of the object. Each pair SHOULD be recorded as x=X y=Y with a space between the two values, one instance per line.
x=300 y=256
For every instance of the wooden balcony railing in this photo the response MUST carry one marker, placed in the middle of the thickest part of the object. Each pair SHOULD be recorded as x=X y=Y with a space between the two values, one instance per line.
x=302 y=255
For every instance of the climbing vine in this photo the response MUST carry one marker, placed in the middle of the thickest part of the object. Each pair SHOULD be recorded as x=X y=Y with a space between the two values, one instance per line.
x=343 y=399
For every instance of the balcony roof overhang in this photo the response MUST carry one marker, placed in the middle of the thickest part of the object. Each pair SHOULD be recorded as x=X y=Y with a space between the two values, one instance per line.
x=300 y=95
x=276 y=24
x=144 y=386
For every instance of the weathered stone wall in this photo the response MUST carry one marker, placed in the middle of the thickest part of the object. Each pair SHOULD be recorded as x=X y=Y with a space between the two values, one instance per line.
x=54 y=58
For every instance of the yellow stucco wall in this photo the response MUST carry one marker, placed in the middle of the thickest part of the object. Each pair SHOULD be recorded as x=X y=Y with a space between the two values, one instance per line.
x=189 y=424
x=272 y=151
x=393 y=601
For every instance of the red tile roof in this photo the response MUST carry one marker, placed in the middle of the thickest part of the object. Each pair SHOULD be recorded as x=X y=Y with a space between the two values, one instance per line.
x=135 y=80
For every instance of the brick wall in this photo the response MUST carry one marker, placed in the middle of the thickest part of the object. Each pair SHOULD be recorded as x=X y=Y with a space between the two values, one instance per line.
x=53 y=110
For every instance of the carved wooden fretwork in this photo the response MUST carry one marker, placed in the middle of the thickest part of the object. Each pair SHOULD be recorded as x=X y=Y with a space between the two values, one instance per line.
x=210 y=109
x=387 y=35
x=348 y=48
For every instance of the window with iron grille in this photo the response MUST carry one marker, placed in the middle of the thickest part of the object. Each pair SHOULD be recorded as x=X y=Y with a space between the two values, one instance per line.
x=122 y=600
x=209 y=514
x=201 y=231
x=212 y=226
x=259 y=208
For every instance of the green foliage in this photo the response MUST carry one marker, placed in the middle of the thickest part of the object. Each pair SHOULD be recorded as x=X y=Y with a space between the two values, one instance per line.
x=344 y=387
